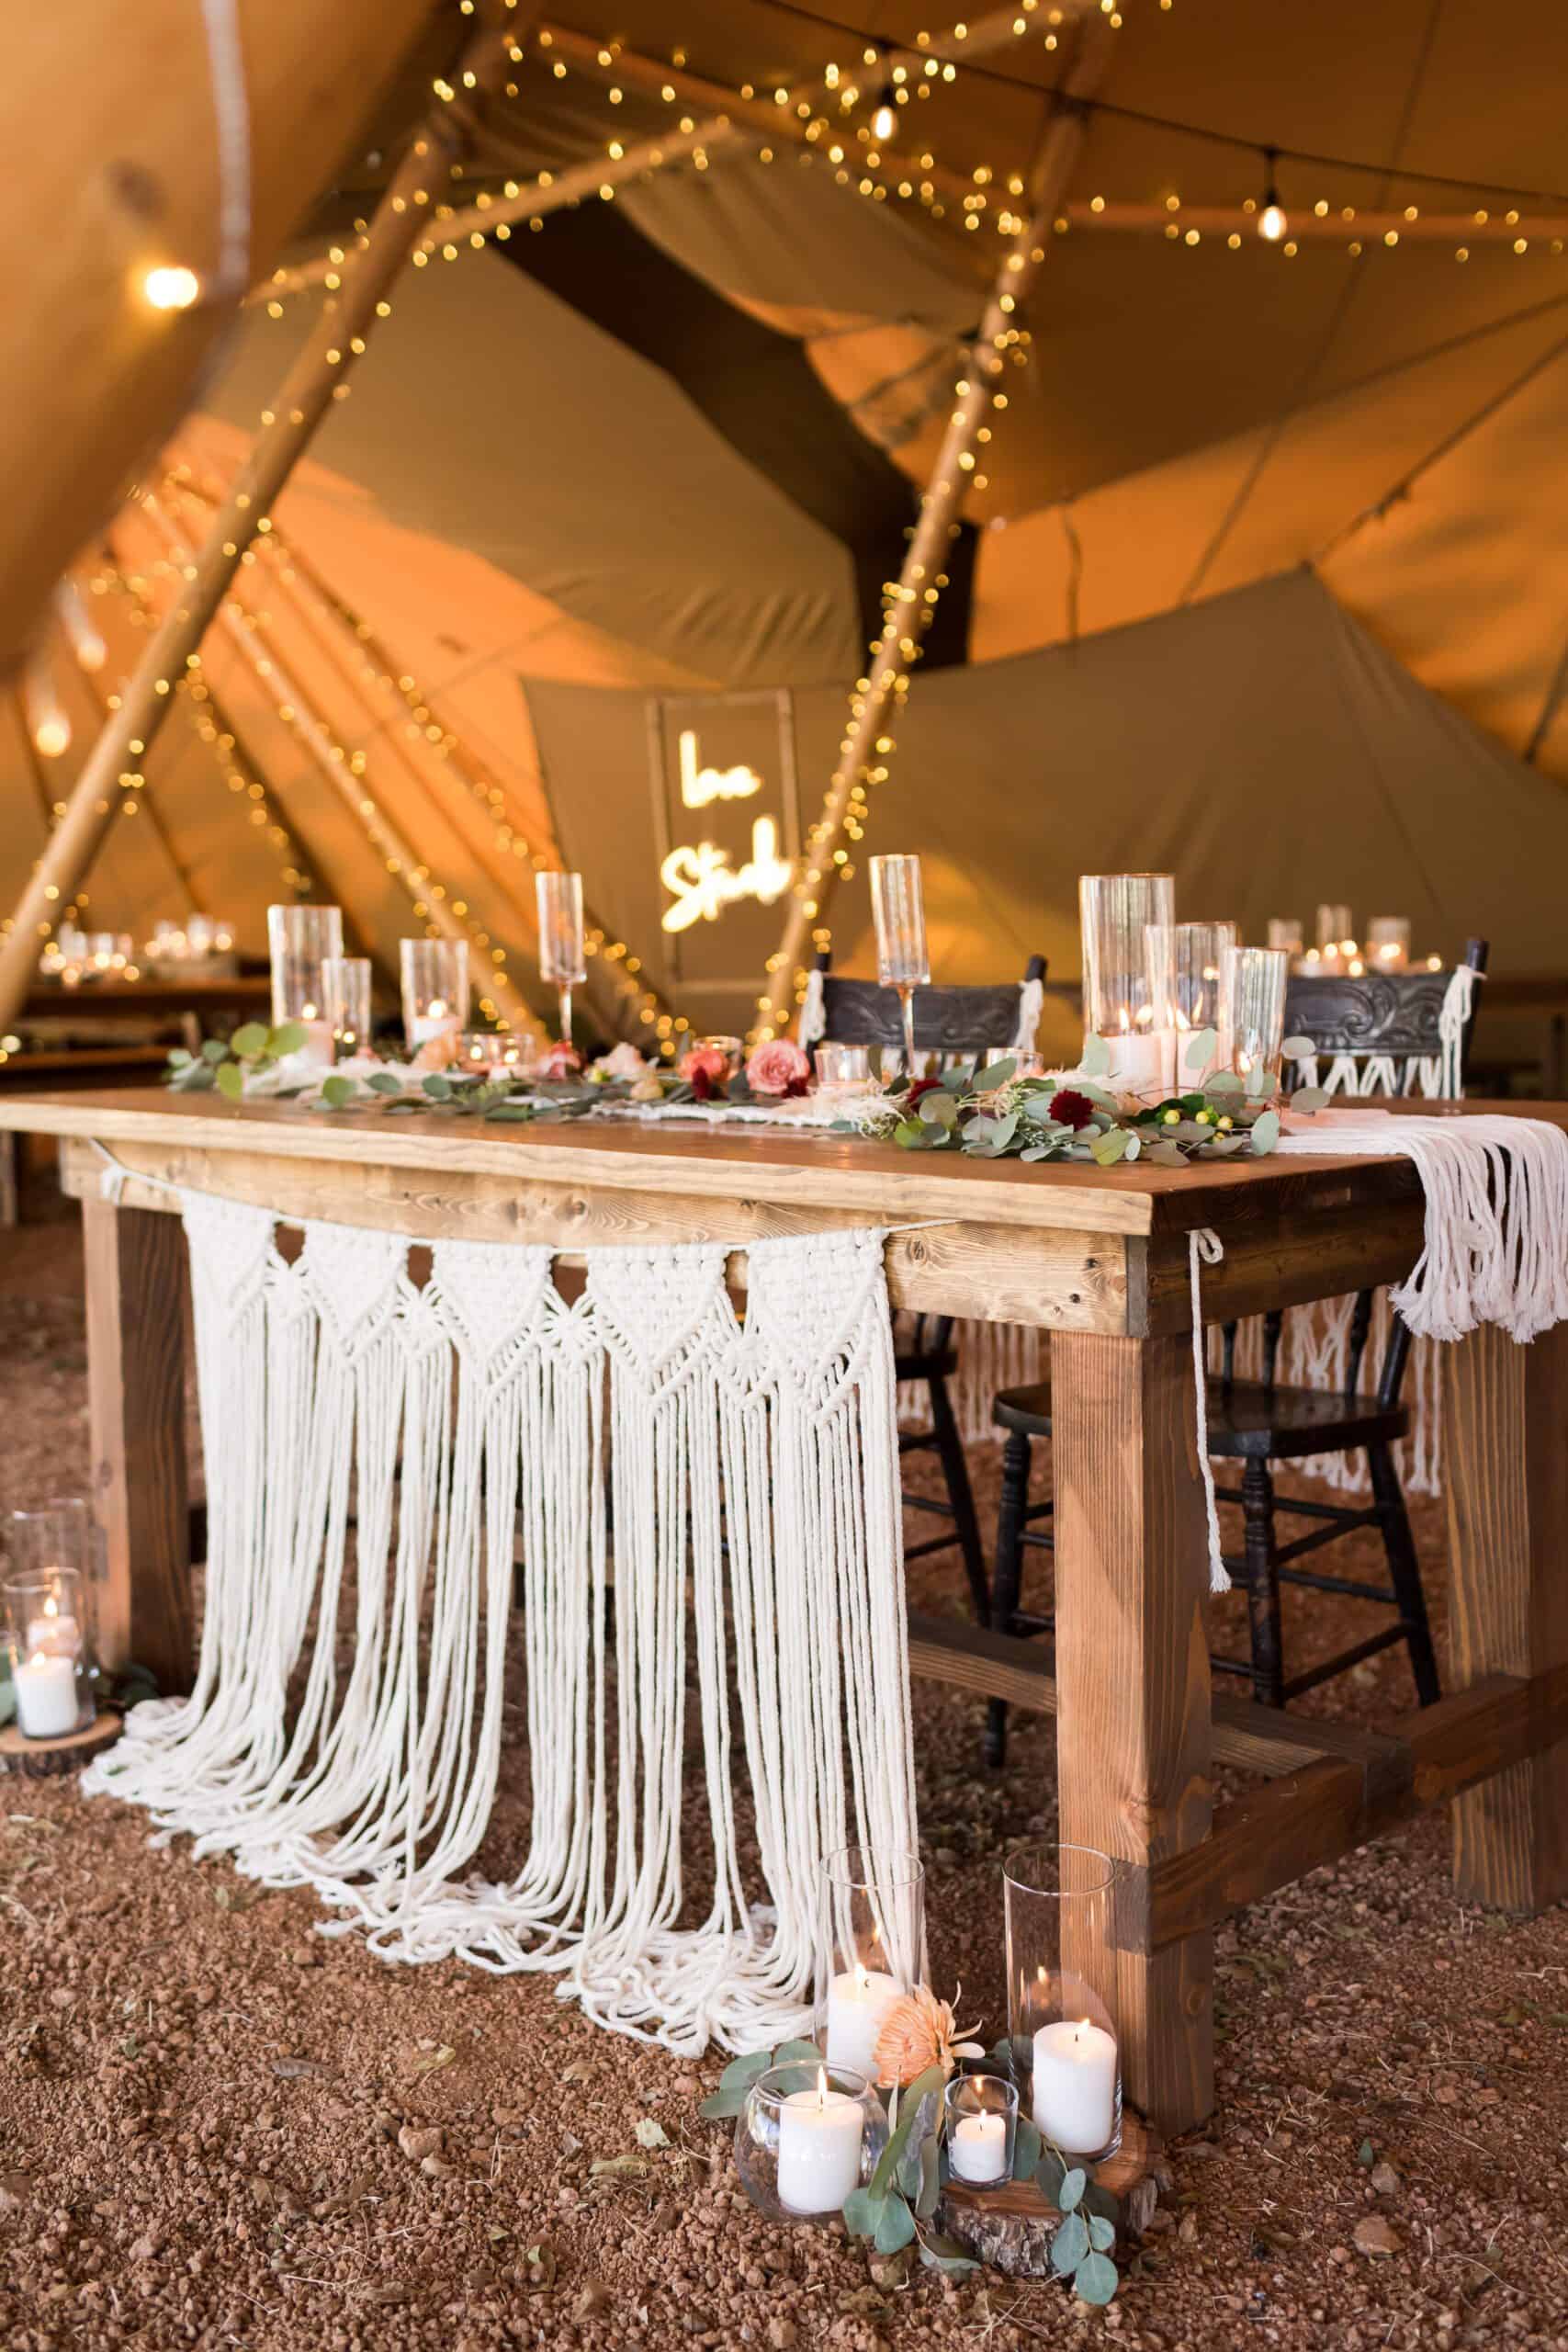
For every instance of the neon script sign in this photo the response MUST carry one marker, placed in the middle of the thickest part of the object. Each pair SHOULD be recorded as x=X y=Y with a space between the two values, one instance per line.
x=698 y=876
x=701 y=786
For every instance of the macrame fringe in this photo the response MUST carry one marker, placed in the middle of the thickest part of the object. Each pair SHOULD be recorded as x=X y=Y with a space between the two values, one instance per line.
x=753 y=1493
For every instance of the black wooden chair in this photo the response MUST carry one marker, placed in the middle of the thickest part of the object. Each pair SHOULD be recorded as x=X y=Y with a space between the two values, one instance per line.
x=1259 y=1422
x=960 y=1023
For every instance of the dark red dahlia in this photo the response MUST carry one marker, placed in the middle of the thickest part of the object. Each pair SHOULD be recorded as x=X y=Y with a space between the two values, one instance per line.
x=1071 y=1108
x=920 y=1086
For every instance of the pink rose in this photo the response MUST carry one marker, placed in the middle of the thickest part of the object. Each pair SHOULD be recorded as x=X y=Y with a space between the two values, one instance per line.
x=779 y=1067
x=704 y=1061
x=559 y=1060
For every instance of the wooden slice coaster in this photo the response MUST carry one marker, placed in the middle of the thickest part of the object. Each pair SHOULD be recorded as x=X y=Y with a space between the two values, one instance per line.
x=39 y=1759
x=1010 y=2229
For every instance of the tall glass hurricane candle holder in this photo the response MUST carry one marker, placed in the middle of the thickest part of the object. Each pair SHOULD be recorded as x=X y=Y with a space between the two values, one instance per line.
x=1388 y=943
x=345 y=987
x=1335 y=940
x=47 y=1623
x=1190 y=953
x=871 y=1948
x=1063 y=2035
x=434 y=975
x=1129 y=981
x=1252 y=1015
x=562 y=958
x=980 y=2124
x=1285 y=935
x=903 y=962
x=299 y=940
x=805 y=2136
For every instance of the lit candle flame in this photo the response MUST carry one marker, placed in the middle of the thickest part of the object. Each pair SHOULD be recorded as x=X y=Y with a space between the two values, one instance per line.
x=437 y=1008
x=821 y=2086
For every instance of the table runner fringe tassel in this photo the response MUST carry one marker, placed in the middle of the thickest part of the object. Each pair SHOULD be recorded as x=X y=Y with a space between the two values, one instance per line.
x=346 y=1727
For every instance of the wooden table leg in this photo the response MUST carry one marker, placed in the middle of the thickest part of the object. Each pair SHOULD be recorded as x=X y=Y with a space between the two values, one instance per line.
x=1506 y=1470
x=1133 y=1725
x=135 y=1279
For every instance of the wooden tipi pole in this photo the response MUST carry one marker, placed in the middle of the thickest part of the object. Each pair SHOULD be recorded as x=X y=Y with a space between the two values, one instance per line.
x=875 y=702
x=316 y=378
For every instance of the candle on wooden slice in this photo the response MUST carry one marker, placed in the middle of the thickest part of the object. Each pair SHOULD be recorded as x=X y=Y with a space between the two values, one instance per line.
x=820 y=2148
x=46 y=1695
x=858 y=2000
x=1075 y=2078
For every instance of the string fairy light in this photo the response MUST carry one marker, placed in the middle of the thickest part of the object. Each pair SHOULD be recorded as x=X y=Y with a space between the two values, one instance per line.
x=1272 y=222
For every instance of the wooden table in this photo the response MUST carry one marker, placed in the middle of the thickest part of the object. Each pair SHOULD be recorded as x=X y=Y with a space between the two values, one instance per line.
x=1098 y=1258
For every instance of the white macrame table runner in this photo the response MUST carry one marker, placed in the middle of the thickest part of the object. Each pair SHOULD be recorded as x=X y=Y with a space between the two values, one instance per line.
x=346 y=1727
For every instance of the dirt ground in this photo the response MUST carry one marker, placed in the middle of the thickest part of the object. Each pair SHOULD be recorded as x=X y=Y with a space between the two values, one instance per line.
x=217 y=2129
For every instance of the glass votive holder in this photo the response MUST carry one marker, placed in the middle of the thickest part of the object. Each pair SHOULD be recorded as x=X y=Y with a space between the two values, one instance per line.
x=871 y=1948
x=299 y=942
x=732 y=1048
x=1059 y=1954
x=346 y=992
x=1388 y=943
x=1252 y=1015
x=980 y=2121
x=1027 y=1063
x=842 y=1069
x=434 y=977
x=47 y=1645
x=806 y=2135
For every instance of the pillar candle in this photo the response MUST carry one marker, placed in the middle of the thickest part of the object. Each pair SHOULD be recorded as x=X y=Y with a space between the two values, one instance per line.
x=46 y=1695
x=819 y=2144
x=1074 y=2076
x=857 y=2003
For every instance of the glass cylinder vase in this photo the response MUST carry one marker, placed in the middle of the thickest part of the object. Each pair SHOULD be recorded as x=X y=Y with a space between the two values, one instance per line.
x=1129 y=976
x=1252 y=1015
x=1059 y=1957
x=299 y=940
x=870 y=1950
x=1190 y=953
x=435 y=975
x=1285 y=934
x=47 y=1628
x=1388 y=943
x=806 y=2135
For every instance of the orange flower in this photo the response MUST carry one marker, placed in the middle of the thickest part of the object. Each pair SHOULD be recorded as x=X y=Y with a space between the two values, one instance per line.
x=919 y=2031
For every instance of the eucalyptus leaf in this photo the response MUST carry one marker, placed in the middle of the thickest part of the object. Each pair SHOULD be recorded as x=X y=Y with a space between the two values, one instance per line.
x=1223 y=1081
x=1164 y=1155
x=1260 y=1084
x=1308 y=1098
x=1265 y=1133
x=863 y=2213
x=912 y=2170
x=1050 y=2172
x=1108 y=1149
x=939 y=2252
x=287 y=1039
x=249 y=1038
x=1101 y=2233
x=229 y=1081
x=513 y=1114
x=720 y=2105
x=1070 y=2194
x=1298 y=1049
x=438 y=1087
x=1200 y=1048
x=179 y=1058
x=894 y=2227
x=338 y=1093
x=381 y=1081
x=996 y=1074
x=791 y=2053
x=1095 y=2280
x=1101 y=2202
x=1026 y=2148
x=213 y=1050
x=939 y=1110
x=7 y=1701
x=929 y=2190
x=741 y=2072
x=1069 y=2245
x=1095 y=1059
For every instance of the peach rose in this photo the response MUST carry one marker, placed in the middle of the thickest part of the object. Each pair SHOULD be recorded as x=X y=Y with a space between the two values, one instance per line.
x=779 y=1067
x=704 y=1061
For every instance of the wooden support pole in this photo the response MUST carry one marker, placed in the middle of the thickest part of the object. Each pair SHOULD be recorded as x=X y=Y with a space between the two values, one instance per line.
x=135 y=1272
x=1506 y=1476
x=1133 y=1724
x=108 y=125
x=317 y=375
x=739 y=123
x=874 y=708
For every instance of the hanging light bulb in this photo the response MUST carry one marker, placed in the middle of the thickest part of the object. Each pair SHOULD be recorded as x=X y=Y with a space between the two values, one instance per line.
x=885 y=121
x=1271 y=221
x=47 y=721
x=171 y=288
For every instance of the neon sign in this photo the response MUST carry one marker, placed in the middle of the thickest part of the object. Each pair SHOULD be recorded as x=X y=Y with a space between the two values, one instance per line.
x=702 y=882
x=699 y=787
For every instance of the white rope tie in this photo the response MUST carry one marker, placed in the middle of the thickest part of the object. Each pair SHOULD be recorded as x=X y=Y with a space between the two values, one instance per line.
x=1204 y=1248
